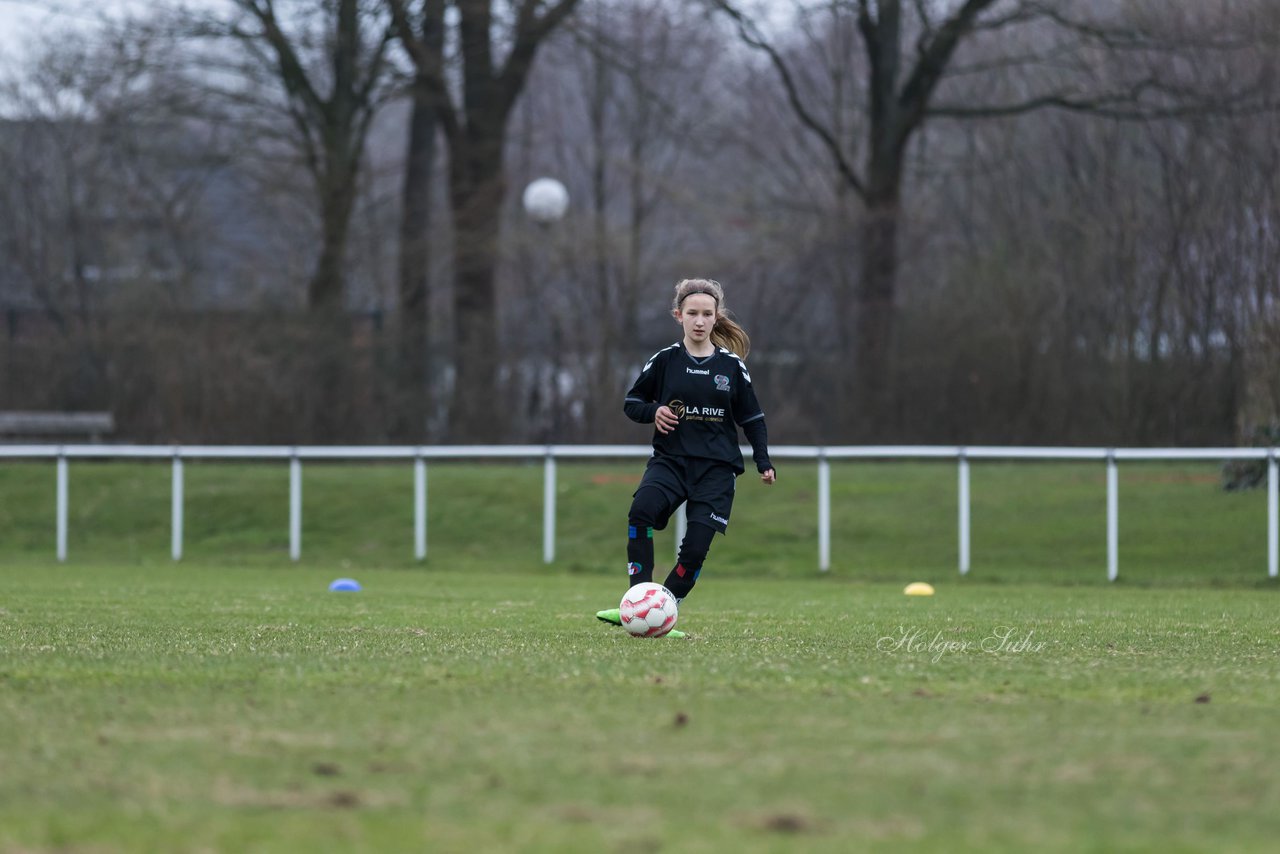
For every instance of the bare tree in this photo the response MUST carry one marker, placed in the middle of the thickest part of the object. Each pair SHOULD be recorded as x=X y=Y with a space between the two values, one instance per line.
x=1086 y=276
x=905 y=51
x=123 y=229
x=329 y=61
x=91 y=222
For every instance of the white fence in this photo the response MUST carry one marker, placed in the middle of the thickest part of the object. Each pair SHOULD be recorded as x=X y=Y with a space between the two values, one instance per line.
x=822 y=456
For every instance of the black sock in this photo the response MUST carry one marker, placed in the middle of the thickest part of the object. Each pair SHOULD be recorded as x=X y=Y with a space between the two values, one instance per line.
x=693 y=551
x=681 y=579
x=639 y=555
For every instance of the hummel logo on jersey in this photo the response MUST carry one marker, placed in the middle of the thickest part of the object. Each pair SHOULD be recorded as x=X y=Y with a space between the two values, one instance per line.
x=705 y=373
x=719 y=519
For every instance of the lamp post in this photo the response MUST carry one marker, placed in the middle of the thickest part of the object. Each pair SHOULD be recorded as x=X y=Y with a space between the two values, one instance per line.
x=545 y=202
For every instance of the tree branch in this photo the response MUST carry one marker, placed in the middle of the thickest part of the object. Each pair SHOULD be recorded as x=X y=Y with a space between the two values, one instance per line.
x=1120 y=104
x=292 y=74
x=931 y=64
x=1131 y=38
x=426 y=51
x=751 y=35
x=531 y=30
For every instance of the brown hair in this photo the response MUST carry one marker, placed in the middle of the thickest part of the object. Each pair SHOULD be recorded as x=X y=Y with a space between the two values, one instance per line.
x=726 y=332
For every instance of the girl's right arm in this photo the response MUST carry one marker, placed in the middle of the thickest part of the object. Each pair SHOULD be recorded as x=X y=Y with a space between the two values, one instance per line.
x=641 y=404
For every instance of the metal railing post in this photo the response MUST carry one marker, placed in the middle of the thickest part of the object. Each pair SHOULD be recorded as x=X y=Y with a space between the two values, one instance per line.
x=549 y=508
x=295 y=506
x=1113 y=517
x=682 y=525
x=419 y=507
x=175 y=545
x=963 y=502
x=61 y=506
x=1273 y=515
x=824 y=511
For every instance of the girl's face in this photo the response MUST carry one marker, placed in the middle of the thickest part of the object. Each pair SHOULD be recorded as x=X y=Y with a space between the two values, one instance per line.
x=697 y=314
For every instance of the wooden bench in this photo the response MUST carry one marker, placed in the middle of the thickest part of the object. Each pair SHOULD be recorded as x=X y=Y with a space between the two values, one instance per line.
x=55 y=426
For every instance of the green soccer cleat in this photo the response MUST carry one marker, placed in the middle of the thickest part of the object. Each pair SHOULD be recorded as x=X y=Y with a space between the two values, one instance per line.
x=614 y=618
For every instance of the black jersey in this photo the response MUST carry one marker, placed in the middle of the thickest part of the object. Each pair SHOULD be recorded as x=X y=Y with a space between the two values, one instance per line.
x=711 y=395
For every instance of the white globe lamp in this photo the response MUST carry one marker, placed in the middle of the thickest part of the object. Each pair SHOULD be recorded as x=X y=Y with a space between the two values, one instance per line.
x=545 y=200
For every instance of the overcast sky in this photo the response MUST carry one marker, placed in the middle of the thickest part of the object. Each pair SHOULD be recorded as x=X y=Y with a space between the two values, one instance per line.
x=23 y=21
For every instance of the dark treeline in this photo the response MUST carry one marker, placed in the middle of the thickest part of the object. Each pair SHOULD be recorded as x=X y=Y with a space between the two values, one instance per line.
x=211 y=228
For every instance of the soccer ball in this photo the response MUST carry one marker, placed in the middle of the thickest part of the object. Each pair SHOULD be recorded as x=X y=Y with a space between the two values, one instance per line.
x=648 y=610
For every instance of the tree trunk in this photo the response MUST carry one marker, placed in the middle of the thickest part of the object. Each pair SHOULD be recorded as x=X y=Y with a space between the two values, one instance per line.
x=412 y=348
x=875 y=320
x=330 y=326
x=477 y=185
x=875 y=303
x=337 y=199
x=324 y=395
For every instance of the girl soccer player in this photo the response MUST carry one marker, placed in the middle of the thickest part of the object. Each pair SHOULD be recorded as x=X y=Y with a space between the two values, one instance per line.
x=697 y=393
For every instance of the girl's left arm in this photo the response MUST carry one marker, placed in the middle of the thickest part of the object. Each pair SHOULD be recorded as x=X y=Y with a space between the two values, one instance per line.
x=750 y=417
x=758 y=435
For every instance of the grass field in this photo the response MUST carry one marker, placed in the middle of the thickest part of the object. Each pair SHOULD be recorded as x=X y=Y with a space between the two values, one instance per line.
x=229 y=702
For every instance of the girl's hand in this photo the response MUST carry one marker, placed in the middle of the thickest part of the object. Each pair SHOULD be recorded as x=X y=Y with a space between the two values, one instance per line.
x=665 y=420
x=768 y=476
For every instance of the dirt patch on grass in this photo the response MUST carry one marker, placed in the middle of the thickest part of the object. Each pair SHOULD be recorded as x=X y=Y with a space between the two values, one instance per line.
x=344 y=800
x=781 y=821
x=232 y=794
x=788 y=823
x=580 y=813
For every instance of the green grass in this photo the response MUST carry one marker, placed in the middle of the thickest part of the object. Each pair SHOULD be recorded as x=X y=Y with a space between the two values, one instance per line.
x=471 y=703
x=147 y=708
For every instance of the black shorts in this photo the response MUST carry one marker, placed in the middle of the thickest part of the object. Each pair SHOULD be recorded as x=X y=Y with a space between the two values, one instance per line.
x=707 y=486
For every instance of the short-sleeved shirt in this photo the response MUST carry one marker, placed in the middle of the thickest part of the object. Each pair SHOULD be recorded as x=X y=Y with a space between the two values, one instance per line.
x=711 y=395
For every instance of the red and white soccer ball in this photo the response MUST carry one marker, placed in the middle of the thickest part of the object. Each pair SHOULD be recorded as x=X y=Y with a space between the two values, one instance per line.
x=648 y=610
